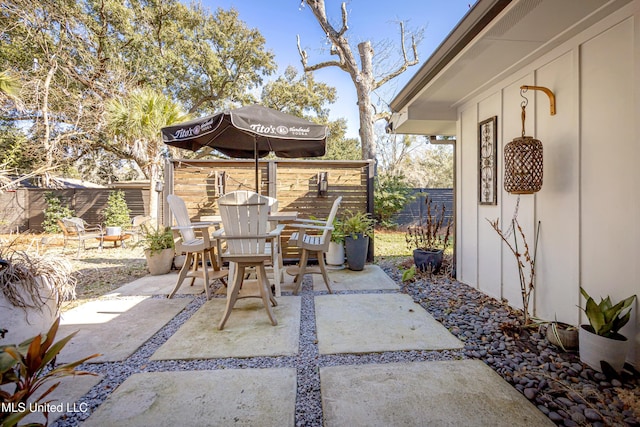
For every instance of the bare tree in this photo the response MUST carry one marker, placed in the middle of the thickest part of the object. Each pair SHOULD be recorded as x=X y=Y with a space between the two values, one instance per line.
x=361 y=73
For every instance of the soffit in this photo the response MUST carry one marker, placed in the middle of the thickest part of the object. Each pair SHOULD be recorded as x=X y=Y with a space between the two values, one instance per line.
x=523 y=31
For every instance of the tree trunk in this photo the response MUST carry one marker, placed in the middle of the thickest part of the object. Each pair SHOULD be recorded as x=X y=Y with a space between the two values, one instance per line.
x=364 y=82
x=153 y=194
x=49 y=149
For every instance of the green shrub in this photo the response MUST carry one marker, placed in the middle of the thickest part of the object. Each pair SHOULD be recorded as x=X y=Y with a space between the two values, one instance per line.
x=55 y=211
x=390 y=196
x=116 y=214
x=357 y=223
x=155 y=238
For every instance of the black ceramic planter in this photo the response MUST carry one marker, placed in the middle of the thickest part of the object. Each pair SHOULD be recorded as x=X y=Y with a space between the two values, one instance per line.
x=428 y=260
x=356 y=251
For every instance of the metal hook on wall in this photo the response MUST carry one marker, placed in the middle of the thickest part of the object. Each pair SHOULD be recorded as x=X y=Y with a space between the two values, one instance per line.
x=552 y=97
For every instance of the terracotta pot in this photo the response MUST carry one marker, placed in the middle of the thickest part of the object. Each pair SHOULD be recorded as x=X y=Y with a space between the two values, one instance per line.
x=595 y=348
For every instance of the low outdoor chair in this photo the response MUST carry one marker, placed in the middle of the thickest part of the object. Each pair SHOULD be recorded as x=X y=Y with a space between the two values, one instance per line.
x=75 y=228
x=193 y=239
x=314 y=237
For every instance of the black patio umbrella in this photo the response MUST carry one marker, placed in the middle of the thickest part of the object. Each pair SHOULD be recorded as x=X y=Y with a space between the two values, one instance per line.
x=250 y=132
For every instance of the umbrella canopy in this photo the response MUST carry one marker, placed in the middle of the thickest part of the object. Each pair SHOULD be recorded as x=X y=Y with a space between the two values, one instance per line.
x=250 y=132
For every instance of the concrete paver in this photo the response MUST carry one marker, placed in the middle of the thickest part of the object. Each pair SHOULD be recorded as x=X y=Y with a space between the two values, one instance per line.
x=444 y=393
x=258 y=397
x=115 y=327
x=362 y=323
x=370 y=279
x=159 y=285
x=248 y=331
x=63 y=399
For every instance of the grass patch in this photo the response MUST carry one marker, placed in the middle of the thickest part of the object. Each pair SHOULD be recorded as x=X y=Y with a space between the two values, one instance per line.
x=390 y=243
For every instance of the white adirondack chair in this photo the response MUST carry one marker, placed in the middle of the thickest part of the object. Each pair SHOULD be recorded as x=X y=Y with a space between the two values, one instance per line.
x=245 y=230
x=275 y=246
x=193 y=238
x=314 y=236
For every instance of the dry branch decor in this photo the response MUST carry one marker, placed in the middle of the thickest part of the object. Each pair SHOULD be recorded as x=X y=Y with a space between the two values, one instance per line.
x=430 y=235
x=526 y=261
x=430 y=239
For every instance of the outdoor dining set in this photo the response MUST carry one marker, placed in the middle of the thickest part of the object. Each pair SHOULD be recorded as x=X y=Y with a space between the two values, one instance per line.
x=246 y=236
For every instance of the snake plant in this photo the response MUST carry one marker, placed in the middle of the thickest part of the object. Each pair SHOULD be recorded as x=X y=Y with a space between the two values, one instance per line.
x=605 y=318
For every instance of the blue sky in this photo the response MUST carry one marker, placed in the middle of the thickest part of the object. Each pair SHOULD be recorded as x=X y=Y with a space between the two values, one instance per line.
x=279 y=21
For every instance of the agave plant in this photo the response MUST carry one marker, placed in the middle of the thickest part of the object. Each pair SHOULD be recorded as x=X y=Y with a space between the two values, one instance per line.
x=605 y=318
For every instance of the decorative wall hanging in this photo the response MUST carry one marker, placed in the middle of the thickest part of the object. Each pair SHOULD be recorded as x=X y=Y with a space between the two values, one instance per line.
x=487 y=167
x=523 y=165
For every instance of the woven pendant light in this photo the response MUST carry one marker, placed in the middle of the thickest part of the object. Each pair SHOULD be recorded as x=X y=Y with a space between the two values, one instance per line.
x=523 y=163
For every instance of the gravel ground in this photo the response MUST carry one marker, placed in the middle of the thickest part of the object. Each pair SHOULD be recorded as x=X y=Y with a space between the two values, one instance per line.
x=557 y=383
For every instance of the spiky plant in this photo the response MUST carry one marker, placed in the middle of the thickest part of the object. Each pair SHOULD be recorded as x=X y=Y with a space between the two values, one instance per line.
x=607 y=319
x=22 y=274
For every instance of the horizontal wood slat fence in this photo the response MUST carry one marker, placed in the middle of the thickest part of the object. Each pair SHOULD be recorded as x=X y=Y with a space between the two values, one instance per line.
x=23 y=209
x=293 y=182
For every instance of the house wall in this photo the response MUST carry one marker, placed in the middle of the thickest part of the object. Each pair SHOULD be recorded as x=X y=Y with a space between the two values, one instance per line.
x=589 y=205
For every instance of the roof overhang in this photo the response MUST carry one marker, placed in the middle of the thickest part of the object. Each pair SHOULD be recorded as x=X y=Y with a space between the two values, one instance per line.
x=495 y=39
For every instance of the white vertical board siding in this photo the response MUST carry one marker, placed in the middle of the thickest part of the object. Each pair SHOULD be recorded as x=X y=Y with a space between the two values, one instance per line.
x=489 y=280
x=467 y=213
x=557 y=289
x=512 y=128
x=609 y=163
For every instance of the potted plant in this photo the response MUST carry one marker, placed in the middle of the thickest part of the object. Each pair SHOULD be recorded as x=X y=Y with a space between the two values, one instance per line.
x=601 y=341
x=116 y=214
x=357 y=228
x=32 y=290
x=158 y=247
x=335 y=253
x=562 y=335
x=430 y=239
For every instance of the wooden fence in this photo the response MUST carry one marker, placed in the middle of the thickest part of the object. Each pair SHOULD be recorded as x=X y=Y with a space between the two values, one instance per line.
x=415 y=213
x=23 y=210
x=199 y=182
x=293 y=182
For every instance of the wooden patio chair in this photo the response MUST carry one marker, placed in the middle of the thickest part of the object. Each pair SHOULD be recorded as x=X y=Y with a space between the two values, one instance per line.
x=193 y=239
x=314 y=237
x=245 y=230
x=74 y=228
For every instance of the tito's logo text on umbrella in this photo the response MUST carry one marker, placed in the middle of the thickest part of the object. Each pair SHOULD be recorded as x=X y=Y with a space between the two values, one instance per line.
x=279 y=130
x=193 y=131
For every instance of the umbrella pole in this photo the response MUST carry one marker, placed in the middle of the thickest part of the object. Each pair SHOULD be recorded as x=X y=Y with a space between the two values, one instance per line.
x=255 y=156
